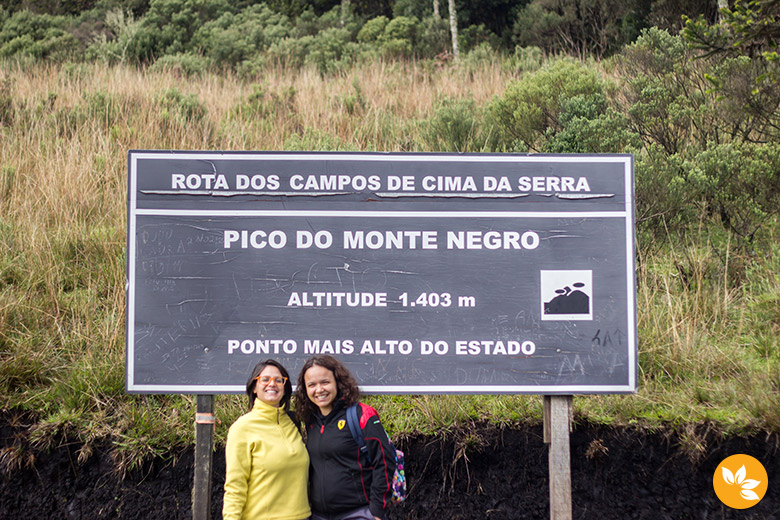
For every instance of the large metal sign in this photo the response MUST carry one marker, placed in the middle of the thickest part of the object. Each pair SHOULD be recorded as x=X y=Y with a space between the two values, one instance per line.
x=423 y=273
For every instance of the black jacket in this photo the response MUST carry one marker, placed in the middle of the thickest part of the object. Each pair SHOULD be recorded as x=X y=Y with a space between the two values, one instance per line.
x=341 y=480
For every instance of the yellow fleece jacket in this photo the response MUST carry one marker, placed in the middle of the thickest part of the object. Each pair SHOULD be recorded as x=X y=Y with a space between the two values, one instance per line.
x=267 y=468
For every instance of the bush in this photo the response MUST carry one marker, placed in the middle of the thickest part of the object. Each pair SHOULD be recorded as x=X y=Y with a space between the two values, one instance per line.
x=414 y=9
x=400 y=36
x=434 y=37
x=666 y=202
x=7 y=109
x=40 y=36
x=456 y=126
x=338 y=18
x=123 y=27
x=186 y=108
x=526 y=59
x=372 y=30
x=577 y=27
x=233 y=39
x=317 y=140
x=531 y=107
x=330 y=50
x=183 y=65
x=475 y=36
x=290 y=52
x=589 y=126
x=665 y=97
x=269 y=104
x=479 y=57
x=742 y=185
x=169 y=26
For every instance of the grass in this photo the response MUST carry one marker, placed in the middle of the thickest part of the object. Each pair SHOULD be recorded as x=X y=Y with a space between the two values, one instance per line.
x=709 y=313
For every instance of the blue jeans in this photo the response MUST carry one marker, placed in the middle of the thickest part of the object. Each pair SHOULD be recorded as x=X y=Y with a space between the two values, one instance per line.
x=358 y=514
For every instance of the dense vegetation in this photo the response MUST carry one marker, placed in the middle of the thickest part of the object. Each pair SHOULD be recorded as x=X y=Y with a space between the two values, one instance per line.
x=329 y=34
x=698 y=109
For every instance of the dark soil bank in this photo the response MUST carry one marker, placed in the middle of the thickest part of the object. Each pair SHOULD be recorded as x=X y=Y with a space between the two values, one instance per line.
x=484 y=472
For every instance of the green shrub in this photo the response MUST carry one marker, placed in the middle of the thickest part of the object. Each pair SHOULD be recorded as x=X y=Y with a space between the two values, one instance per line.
x=291 y=52
x=354 y=103
x=665 y=100
x=317 y=140
x=169 y=26
x=667 y=200
x=7 y=175
x=40 y=36
x=251 y=68
x=456 y=126
x=734 y=185
x=265 y=103
x=525 y=59
x=306 y=24
x=225 y=41
x=372 y=30
x=233 y=39
x=480 y=56
x=7 y=109
x=102 y=107
x=746 y=99
x=414 y=9
x=743 y=51
x=400 y=36
x=184 y=107
x=330 y=50
x=577 y=27
x=123 y=28
x=588 y=125
x=183 y=65
x=340 y=17
x=742 y=185
x=476 y=36
x=434 y=37
x=531 y=107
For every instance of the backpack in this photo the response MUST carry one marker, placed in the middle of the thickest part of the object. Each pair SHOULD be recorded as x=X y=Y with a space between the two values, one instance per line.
x=399 y=479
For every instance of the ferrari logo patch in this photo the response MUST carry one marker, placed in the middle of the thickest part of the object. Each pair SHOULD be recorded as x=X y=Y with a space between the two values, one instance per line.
x=341 y=424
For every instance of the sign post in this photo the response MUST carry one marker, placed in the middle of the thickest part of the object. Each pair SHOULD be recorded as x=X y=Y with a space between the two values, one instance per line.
x=422 y=273
x=557 y=426
x=204 y=448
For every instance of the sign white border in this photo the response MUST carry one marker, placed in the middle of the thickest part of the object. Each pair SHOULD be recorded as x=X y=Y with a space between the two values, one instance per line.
x=627 y=215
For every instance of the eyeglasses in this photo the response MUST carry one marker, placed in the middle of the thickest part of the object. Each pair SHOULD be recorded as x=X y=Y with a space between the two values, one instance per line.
x=266 y=380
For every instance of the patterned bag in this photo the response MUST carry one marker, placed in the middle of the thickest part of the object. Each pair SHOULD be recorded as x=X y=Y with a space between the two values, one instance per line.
x=399 y=479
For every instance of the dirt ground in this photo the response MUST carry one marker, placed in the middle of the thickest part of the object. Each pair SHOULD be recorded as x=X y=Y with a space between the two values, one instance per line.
x=481 y=472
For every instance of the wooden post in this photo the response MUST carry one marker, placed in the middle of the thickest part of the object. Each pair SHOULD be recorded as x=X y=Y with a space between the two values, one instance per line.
x=557 y=426
x=204 y=447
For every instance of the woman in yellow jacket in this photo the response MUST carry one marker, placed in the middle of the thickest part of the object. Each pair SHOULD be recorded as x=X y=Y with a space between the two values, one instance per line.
x=267 y=467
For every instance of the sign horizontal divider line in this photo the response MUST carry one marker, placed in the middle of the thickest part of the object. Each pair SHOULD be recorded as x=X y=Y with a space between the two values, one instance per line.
x=389 y=157
x=380 y=214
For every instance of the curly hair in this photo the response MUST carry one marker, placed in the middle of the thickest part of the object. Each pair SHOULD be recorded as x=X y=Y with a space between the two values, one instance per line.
x=252 y=382
x=347 y=387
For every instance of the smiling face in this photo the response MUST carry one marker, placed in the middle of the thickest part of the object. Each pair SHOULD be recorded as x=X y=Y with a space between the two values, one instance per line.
x=272 y=392
x=321 y=387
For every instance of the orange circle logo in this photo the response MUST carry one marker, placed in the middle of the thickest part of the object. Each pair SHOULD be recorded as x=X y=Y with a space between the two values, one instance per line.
x=740 y=481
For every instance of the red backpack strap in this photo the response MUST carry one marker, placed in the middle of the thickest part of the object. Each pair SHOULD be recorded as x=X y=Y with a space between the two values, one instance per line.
x=367 y=413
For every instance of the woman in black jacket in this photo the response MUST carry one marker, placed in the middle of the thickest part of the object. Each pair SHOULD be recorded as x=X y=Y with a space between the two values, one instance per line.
x=344 y=484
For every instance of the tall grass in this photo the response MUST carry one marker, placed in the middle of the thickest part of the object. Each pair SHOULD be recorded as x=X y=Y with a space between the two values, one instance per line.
x=708 y=317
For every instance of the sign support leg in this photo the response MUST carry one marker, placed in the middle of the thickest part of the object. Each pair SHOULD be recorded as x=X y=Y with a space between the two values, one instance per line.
x=557 y=426
x=204 y=447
